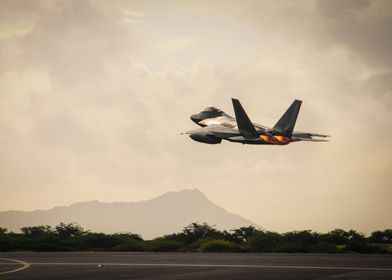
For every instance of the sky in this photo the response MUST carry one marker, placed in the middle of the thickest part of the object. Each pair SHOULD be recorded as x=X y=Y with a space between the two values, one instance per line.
x=94 y=95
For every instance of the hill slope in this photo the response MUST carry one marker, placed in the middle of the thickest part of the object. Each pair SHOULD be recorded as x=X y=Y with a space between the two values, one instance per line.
x=164 y=214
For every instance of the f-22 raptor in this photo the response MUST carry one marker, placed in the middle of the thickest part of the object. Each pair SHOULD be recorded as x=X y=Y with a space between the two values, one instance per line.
x=216 y=126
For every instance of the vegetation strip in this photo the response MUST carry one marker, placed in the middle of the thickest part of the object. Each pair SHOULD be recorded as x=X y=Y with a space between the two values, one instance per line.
x=217 y=265
x=195 y=238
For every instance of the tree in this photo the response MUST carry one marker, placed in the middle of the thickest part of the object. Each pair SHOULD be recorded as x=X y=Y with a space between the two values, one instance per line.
x=194 y=232
x=381 y=236
x=304 y=237
x=128 y=236
x=242 y=234
x=3 y=230
x=69 y=230
x=337 y=236
x=37 y=231
x=264 y=241
x=355 y=236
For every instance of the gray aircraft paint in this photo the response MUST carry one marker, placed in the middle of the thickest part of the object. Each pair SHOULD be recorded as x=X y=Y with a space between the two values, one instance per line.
x=216 y=126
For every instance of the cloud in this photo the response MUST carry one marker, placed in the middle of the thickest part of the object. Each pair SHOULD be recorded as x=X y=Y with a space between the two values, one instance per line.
x=133 y=17
x=84 y=117
x=361 y=26
x=175 y=44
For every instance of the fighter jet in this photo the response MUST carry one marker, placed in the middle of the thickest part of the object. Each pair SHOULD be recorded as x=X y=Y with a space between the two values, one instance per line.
x=216 y=126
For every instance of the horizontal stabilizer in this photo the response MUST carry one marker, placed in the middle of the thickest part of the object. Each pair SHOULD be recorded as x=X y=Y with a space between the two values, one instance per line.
x=310 y=139
x=319 y=135
x=308 y=135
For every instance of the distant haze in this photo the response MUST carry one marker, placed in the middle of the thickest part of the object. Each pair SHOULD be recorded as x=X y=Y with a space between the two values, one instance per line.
x=165 y=214
x=94 y=95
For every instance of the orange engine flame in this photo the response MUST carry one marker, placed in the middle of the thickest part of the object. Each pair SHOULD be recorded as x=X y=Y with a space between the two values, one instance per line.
x=279 y=139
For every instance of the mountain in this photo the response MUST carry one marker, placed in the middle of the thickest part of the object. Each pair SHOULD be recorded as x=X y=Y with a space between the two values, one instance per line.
x=164 y=214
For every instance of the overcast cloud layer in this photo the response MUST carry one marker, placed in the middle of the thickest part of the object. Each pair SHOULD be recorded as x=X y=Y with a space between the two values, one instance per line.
x=94 y=94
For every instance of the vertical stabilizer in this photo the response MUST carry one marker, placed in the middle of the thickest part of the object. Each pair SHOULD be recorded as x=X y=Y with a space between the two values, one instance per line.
x=286 y=123
x=244 y=124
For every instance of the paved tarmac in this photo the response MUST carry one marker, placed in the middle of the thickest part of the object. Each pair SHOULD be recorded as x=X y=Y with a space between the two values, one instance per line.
x=90 y=265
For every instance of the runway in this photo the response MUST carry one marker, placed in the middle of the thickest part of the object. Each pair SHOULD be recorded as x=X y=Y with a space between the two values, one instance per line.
x=92 y=265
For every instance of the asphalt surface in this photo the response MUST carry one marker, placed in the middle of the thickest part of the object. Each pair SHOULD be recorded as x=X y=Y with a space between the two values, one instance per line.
x=192 y=266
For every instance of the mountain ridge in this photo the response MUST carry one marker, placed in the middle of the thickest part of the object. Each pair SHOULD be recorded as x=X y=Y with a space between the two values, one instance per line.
x=163 y=214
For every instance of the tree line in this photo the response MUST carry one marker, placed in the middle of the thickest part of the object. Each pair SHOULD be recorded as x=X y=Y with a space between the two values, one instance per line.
x=196 y=237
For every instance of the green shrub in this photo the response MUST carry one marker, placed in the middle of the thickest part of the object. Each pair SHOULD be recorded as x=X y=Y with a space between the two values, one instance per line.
x=361 y=247
x=325 y=247
x=102 y=241
x=264 y=241
x=49 y=247
x=164 y=245
x=217 y=245
x=130 y=246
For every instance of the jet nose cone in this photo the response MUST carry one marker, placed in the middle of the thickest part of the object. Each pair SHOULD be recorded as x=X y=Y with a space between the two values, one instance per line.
x=196 y=118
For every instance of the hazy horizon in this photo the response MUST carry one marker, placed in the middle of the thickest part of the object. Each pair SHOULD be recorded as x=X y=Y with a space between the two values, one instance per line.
x=176 y=211
x=103 y=201
x=94 y=95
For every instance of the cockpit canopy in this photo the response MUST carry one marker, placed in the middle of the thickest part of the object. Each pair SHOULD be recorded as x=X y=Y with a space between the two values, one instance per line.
x=207 y=113
x=210 y=108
